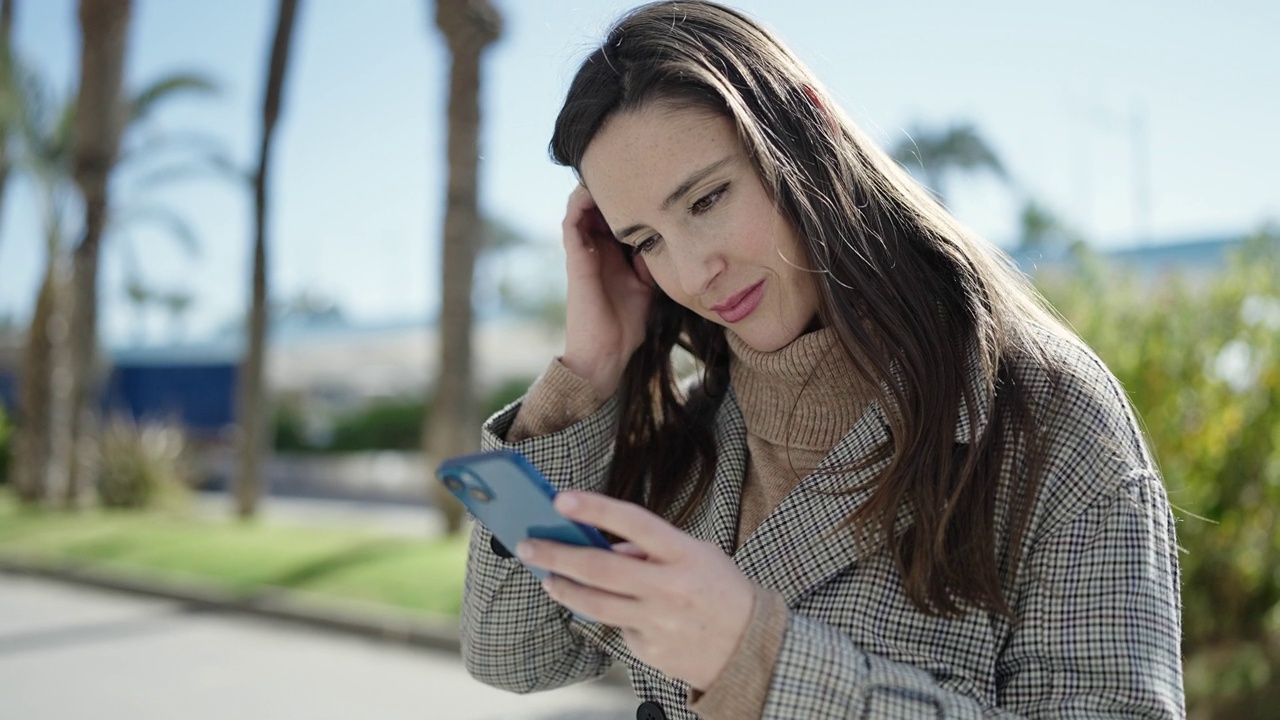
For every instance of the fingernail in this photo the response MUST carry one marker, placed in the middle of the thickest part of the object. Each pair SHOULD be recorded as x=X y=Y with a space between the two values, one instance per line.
x=524 y=550
x=546 y=585
x=566 y=502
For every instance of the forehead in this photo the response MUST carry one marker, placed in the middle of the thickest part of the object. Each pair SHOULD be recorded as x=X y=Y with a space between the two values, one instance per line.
x=640 y=156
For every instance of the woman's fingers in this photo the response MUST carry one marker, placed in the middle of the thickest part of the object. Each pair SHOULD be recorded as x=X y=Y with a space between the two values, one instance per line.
x=602 y=606
x=682 y=603
x=649 y=532
x=580 y=228
x=607 y=302
x=617 y=573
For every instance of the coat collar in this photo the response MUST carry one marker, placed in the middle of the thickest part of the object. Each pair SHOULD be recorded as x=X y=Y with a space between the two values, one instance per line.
x=798 y=548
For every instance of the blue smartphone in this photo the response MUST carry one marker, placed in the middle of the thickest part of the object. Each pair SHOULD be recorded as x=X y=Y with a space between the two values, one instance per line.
x=513 y=501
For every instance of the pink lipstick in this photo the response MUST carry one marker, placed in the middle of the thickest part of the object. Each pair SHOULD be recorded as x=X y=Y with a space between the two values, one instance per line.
x=741 y=305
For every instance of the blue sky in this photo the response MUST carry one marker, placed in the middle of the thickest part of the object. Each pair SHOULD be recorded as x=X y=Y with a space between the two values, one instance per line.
x=1058 y=89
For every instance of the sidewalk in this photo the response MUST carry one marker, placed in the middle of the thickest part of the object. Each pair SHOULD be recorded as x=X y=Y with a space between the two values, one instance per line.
x=364 y=619
x=70 y=651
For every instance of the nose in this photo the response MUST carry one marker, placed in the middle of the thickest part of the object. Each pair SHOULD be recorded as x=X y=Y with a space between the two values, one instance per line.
x=697 y=264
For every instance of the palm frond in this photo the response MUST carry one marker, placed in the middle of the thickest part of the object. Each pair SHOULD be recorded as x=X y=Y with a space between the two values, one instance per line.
x=60 y=141
x=967 y=150
x=145 y=100
x=936 y=151
x=211 y=161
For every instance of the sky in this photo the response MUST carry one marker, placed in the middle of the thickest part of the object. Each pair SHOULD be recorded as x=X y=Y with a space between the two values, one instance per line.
x=1145 y=121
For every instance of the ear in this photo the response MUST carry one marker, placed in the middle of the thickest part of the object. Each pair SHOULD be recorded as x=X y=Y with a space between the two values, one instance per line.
x=822 y=109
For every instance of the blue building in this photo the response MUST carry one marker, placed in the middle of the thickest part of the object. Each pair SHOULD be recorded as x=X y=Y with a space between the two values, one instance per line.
x=193 y=385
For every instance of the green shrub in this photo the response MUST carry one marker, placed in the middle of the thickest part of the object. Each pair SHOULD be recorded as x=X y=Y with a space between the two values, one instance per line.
x=6 y=443
x=394 y=425
x=1200 y=358
x=142 y=466
x=289 y=430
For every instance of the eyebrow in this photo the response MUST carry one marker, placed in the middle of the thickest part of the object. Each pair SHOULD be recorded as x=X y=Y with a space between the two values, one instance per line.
x=681 y=191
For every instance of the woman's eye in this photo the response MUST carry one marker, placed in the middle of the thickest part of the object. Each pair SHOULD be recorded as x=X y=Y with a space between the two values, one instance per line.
x=645 y=246
x=706 y=202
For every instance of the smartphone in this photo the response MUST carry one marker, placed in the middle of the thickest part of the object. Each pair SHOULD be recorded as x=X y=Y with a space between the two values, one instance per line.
x=512 y=500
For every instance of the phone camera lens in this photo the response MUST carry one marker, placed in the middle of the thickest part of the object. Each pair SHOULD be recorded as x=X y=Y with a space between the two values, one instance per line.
x=453 y=483
x=481 y=495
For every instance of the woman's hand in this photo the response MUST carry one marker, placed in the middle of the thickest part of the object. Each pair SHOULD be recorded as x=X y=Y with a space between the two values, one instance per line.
x=681 y=603
x=608 y=300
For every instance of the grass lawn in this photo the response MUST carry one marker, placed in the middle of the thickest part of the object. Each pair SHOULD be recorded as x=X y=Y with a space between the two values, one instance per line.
x=407 y=573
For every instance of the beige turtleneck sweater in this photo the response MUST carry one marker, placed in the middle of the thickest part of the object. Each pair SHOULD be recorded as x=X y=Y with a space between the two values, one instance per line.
x=797 y=402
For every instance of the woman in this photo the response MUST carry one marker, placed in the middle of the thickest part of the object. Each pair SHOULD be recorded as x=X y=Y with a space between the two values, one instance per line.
x=896 y=486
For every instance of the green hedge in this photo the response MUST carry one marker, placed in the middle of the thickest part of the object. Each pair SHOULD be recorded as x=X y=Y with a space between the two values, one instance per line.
x=395 y=425
x=387 y=425
x=289 y=432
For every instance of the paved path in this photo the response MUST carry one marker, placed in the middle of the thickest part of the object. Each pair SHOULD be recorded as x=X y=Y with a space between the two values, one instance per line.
x=68 y=651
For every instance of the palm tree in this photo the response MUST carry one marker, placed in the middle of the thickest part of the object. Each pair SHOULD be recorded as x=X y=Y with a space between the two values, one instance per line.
x=42 y=129
x=99 y=122
x=138 y=291
x=140 y=296
x=252 y=390
x=1041 y=230
x=468 y=26
x=1039 y=226
x=937 y=153
x=176 y=303
x=507 y=262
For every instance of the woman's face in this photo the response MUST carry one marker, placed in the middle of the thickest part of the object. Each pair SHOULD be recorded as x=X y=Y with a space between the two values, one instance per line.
x=676 y=185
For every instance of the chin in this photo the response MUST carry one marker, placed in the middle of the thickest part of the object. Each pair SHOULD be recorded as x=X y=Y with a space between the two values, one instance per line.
x=769 y=342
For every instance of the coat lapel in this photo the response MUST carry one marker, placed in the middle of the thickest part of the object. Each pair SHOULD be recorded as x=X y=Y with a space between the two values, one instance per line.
x=797 y=549
x=717 y=522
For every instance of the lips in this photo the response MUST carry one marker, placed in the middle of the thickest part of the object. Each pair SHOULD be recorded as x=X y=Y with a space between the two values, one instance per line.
x=740 y=305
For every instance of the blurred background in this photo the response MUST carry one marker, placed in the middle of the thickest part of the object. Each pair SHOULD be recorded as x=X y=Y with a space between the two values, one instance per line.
x=261 y=262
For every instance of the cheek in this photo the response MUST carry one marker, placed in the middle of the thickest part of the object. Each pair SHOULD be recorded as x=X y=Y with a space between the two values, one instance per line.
x=666 y=278
x=759 y=238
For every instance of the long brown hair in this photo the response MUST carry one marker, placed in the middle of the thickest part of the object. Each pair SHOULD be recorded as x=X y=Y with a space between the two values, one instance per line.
x=912 y=296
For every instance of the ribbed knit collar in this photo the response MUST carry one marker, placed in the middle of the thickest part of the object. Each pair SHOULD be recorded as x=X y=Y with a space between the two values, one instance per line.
x=803 y=396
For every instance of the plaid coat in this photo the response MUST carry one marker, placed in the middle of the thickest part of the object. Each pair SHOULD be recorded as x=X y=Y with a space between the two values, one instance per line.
x=1097 y=597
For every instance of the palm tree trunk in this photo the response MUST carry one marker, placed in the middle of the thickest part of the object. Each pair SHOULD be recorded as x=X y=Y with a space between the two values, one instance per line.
x=33 y=451
x=100 y=113
x=252 y=391
x=469 y=26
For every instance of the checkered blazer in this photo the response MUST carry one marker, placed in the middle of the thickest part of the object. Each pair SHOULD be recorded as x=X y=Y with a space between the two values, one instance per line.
x=1097 y=597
